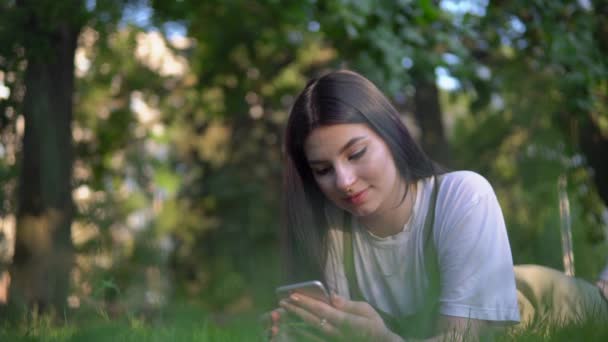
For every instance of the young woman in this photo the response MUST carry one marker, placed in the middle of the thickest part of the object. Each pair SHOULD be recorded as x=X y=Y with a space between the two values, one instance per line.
x=407 y=249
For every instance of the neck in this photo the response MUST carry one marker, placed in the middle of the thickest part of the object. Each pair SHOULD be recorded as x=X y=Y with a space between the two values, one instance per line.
x=391 y=221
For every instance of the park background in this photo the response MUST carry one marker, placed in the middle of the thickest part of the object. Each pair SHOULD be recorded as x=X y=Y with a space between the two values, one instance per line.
x=140 y=142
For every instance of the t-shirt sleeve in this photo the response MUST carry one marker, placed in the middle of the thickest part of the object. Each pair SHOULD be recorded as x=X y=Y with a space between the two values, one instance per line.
x=476 y=266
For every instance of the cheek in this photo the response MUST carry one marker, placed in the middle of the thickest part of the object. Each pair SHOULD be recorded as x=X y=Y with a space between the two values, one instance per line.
x=379 y=171
x=370 y=170
x=375 y=169
x=325 y=184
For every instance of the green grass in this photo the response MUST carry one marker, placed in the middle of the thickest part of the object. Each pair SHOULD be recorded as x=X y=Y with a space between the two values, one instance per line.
x=191 y=323
x=593 y=330
x=180 y=323
x=112 y=331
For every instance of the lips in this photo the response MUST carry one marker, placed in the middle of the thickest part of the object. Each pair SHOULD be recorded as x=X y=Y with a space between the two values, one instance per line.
x=357 y=198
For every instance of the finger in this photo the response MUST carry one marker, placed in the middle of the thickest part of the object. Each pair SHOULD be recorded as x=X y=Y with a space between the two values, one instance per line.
x=322 y=324
x=300 y=312
x=319 y=308
x=266 y=318
x=342 y=313
x=274 y=331
x=337 y=301
x=276 y=314
x=352 y=307
x=310 y=303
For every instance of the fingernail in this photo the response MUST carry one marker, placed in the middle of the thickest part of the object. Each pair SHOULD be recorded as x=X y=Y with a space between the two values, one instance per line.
x=294 y=297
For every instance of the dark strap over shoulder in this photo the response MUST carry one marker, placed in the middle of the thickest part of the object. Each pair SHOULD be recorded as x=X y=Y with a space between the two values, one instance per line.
x=422 y=323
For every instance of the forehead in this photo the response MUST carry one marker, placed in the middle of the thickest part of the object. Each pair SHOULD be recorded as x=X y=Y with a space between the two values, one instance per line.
x=329 y=140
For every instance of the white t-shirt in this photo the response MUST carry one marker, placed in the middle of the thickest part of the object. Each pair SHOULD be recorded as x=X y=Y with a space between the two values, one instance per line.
x=473 y=252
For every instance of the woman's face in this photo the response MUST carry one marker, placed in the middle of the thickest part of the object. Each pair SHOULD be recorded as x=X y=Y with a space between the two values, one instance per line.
x=354 y=168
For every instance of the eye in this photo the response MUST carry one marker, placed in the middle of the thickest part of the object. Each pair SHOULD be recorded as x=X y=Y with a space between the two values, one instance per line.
x=321 y=171
x=358 y=154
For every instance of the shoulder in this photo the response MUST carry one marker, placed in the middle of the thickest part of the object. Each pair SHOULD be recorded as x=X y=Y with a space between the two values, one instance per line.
x=467 y=212
x=464 y=187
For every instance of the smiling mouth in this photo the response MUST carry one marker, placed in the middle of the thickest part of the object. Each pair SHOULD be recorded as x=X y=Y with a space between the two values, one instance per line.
x=357 y=198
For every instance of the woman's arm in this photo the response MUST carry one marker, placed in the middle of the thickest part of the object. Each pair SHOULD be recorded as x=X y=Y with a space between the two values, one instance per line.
x=453 y=328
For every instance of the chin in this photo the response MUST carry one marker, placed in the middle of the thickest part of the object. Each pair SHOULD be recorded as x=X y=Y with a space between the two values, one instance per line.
x=361 y=211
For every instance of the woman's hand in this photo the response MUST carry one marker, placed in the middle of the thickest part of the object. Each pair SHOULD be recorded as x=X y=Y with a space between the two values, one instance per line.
x=280 y=327
x=342 y=318
x=271 y=320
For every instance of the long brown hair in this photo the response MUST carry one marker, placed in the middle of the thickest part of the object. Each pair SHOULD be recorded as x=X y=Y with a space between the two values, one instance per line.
x=338 y=97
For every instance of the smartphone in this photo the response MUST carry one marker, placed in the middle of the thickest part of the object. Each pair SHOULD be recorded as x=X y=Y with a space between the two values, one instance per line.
x=314 y=289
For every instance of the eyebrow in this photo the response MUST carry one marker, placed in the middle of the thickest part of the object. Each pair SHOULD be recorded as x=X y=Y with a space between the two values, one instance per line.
x=350 y=143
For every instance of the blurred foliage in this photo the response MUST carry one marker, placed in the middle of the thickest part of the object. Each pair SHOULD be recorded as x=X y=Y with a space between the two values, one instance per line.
x=545 y=68
x=178 y=123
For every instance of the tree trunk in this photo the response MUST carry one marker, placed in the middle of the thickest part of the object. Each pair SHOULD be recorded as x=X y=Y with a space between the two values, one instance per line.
x=594 y=145
x=594 y=142
x=43 y=252
x=428 y=116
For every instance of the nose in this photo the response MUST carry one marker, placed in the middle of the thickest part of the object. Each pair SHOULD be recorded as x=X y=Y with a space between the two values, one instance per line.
x=345 y=178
